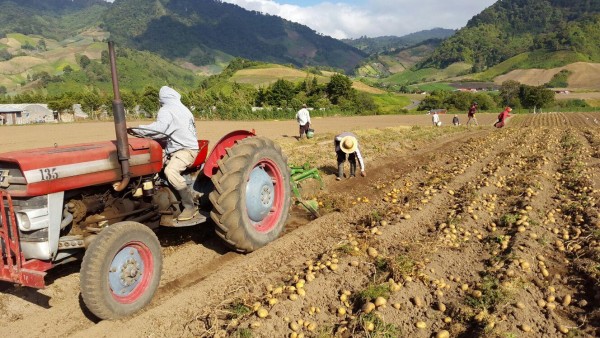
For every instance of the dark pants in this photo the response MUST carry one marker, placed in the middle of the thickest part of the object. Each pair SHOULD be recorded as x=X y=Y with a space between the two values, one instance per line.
x=304 y=129
x=341 y=158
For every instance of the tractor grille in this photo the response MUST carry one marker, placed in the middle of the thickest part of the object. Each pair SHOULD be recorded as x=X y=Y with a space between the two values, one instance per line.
x=11 y=177
x=9 y=239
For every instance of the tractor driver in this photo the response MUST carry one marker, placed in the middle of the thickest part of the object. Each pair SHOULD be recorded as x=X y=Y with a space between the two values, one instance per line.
x=175 y=120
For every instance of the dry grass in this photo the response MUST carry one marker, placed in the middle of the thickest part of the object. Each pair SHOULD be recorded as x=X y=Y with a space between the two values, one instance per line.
x=584 y=75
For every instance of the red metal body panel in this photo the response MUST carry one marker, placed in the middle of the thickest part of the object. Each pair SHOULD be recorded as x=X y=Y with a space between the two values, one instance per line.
x=220 y=149
x=13 y=266
x=202 y=152
x=49 y=170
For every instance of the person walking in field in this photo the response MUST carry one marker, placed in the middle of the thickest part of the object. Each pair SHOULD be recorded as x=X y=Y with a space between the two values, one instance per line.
x=435 y=118
x=303 y=118
x=471 y=114
x=502 y=117
x=346 y=145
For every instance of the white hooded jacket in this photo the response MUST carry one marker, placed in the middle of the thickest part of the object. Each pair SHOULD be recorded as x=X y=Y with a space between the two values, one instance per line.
x=175 y=120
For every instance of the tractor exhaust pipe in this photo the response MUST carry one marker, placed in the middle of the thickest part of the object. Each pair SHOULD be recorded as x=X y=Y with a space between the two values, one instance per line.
x=120 y=122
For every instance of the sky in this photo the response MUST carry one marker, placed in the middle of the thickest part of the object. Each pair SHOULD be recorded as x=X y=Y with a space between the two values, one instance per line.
x=343 y=19
x=355 y=18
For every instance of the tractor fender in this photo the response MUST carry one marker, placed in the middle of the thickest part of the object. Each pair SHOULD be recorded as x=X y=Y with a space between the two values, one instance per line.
x=211 y=166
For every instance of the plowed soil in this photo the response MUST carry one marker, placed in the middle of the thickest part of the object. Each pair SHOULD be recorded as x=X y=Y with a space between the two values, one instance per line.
x=455 y=231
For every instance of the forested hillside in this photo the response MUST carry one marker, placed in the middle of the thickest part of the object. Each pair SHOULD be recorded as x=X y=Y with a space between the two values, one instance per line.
x=390 y=44
x=199 y=30
x=54 y=19
x=512 y=27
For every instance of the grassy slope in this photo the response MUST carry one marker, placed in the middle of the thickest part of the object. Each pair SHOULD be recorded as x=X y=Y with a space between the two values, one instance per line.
x=264 y=75
x=541 y=60
x=58 y=55
x=137 y=71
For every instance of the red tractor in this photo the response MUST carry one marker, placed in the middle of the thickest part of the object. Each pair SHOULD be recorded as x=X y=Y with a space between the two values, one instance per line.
x=101 y=202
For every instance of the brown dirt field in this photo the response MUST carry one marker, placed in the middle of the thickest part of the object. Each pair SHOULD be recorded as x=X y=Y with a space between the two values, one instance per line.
x=585 y=76
x=474 y=231
x=19 y=64
x=366 y=88
x=47 y=135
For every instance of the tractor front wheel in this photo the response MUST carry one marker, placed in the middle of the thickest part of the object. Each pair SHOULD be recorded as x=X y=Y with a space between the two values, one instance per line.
x=252 y=194
x=121 y=270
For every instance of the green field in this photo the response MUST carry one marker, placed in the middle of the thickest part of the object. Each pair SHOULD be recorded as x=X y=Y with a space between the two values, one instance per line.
x=391 y=103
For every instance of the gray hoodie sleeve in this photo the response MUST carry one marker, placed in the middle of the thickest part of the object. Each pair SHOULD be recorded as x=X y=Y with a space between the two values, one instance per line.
x=163 y=120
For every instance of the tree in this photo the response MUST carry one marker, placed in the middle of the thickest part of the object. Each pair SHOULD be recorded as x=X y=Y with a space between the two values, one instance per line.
x=280 y=93
x=84 y=61
x=536 y=97
x=104 y=58
x=149 y=100
x=90 y=101
x=61 y=104
x=509 y=92
x=339 y=86
x=41 y=45
x=365 y=104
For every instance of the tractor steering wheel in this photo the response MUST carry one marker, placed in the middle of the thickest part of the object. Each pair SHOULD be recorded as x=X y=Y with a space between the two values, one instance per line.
x=149 y=133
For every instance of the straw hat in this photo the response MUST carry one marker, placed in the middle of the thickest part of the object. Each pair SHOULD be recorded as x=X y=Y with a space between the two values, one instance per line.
x=348 y=144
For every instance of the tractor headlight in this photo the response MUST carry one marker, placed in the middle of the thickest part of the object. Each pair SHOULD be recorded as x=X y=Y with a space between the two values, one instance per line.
x=23 y=220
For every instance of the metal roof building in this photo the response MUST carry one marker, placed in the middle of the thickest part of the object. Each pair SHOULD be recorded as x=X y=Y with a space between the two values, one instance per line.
x=25 y=113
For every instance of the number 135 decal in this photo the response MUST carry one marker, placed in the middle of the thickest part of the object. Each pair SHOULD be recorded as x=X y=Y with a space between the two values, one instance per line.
x=48 y=174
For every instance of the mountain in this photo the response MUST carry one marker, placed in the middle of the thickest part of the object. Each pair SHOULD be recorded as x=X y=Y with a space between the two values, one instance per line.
x=386 y=44
x=512 y=27
x=384 y=64
x=55 y=19
x=199 y=31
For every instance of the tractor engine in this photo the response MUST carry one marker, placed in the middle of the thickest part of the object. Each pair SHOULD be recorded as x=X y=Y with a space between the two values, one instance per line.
x=63 y=195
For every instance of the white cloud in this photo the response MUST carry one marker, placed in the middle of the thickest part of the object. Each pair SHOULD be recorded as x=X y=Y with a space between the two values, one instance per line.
x=373 y=17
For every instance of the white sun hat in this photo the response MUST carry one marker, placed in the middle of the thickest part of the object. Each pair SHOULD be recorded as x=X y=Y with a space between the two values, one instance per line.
x=348 y=144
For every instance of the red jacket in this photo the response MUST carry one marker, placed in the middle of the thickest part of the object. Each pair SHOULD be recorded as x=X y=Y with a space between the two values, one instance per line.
x=472 y=110
x=502 y=116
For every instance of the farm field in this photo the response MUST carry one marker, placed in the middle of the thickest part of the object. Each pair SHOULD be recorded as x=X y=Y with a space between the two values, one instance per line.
x=455 y=232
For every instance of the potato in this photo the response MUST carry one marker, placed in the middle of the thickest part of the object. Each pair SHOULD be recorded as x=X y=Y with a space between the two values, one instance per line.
x=262 y=312
x=372 y=252
x=442 y=334
x=566 y=300
x=368 y=307
x=294 y=326
x=380 y=301
x=421 y=325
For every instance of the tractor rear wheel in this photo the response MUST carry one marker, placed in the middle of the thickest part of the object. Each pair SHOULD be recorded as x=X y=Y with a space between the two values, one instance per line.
x=121 y=270
x=252 y=194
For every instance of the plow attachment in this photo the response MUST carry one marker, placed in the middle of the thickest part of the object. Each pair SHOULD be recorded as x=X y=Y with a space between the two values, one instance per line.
x=299 y=174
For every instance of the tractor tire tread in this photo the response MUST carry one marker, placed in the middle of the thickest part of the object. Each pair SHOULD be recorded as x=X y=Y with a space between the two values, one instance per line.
x=92 y=267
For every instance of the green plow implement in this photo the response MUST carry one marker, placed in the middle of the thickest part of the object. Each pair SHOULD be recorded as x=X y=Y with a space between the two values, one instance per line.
x=299 y=174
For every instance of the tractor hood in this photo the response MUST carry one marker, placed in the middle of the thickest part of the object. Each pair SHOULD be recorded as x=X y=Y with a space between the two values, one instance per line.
x=43 y=171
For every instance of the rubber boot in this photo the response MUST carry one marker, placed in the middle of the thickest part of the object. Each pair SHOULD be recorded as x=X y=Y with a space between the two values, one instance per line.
x=352 y=168
x=340 y=170
x=189 y=208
